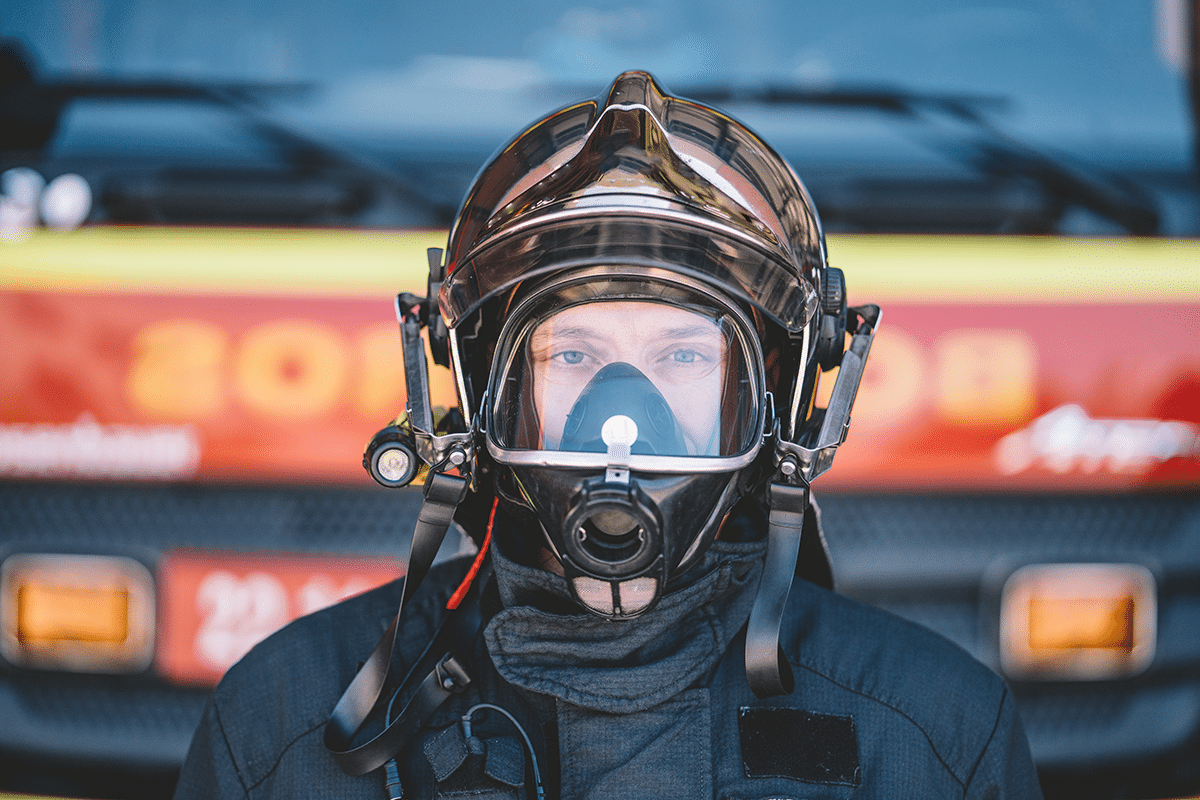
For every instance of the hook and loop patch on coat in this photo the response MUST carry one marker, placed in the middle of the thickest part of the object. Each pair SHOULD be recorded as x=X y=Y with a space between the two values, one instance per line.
x=474 y=768
x=798 y=744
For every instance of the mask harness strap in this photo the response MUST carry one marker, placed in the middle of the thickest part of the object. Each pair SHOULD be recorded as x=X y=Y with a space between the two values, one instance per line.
x=767 y=669
x=438 y=673
x=392 y=459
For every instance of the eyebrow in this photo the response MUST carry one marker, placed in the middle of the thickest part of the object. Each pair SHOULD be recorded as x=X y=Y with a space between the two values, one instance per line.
x=691 y=330
x=585 y=332
x=577 y=331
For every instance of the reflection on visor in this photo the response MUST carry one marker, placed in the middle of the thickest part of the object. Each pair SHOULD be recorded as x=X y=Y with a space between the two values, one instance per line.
x=679 y=375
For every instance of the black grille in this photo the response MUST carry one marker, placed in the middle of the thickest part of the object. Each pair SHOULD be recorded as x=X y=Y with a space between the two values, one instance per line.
x=1072 y=709
x=993 y=523
x=80 y=705
x=357 y=520
x=921 y=542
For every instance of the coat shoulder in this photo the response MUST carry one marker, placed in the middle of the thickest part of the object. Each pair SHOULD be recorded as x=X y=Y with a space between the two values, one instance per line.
x=908 y=671
x=285 y=688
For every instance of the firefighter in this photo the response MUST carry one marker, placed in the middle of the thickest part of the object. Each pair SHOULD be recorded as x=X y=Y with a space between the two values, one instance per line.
x=636 y=305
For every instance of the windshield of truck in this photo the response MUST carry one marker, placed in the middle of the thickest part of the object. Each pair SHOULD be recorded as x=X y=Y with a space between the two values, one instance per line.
x=1066 y=116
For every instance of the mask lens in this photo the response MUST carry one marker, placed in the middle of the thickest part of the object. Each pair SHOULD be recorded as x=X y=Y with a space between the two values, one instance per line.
x=679 y=374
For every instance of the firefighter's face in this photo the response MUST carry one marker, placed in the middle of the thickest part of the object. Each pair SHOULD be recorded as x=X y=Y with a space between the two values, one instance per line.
x=681 y=352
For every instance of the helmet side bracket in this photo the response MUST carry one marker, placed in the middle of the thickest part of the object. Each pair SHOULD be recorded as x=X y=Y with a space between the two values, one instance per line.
x=394 y=455
x=812 y=453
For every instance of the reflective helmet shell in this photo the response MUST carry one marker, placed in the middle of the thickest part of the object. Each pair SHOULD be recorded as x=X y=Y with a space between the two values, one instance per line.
x=638 y=180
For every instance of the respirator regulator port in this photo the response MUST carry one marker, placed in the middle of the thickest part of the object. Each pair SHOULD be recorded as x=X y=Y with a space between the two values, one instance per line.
x=612 y=531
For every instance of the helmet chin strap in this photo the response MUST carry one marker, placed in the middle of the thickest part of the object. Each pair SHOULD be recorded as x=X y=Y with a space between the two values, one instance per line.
x=767 y=669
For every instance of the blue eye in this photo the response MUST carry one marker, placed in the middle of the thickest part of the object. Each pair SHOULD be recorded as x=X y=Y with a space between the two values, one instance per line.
x=684 y=356
x=572 y=356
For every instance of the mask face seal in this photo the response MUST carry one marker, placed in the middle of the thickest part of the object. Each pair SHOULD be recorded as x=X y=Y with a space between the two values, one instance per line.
x=625 y=417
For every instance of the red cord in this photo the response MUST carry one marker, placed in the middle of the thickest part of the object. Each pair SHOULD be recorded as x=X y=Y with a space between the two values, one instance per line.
x=465 y=586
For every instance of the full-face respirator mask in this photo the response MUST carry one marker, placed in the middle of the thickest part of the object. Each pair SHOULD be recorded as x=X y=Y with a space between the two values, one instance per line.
x=622 y=408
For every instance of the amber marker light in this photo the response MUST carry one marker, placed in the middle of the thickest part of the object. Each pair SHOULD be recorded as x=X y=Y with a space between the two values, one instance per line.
x=1078 y=621
x=79 y=613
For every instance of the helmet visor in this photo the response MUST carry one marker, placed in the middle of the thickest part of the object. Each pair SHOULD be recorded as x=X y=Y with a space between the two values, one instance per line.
x=662 y=379
x=607 y=235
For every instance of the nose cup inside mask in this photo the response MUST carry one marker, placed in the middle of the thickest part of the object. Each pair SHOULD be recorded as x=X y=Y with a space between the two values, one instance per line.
x=622 y=389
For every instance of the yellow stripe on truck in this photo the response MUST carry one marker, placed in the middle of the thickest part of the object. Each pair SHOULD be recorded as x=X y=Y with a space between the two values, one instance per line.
x=1025 y=269
x=368 y=262
x=219 y=260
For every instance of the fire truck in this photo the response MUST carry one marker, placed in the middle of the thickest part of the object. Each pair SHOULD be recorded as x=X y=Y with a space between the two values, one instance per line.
x=204 y=218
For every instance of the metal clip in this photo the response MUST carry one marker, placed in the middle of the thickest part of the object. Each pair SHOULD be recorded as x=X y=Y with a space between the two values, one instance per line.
x=451 y=675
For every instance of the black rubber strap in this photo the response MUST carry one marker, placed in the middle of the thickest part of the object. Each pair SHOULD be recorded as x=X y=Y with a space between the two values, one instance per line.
x=443 y=493
x=440 y=672
x=767 y=670
x=447 y=676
